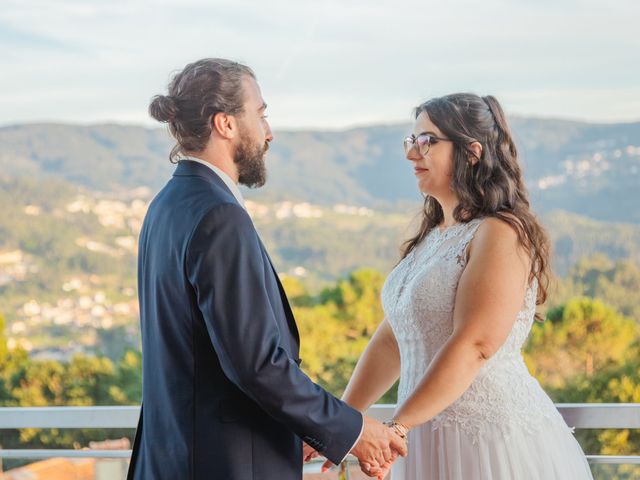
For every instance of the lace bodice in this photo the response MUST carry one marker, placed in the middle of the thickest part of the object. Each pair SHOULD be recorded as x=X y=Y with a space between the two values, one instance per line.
x=418 y=300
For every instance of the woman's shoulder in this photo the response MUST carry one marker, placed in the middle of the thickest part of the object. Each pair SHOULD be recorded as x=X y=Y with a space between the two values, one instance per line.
x=496 y=233
x=506 y=225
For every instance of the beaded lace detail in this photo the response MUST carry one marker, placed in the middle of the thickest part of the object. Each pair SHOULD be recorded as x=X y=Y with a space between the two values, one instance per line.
x=418 y=300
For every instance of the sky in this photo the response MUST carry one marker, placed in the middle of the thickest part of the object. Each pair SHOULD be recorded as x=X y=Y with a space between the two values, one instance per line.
x=327 y=64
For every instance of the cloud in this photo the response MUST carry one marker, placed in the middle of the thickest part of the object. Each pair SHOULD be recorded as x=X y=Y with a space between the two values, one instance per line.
x=327 y=63
x=14 y=40
x=622 y=104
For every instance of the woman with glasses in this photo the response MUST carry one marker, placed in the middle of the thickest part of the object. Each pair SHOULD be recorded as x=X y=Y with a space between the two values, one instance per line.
x=458 y=309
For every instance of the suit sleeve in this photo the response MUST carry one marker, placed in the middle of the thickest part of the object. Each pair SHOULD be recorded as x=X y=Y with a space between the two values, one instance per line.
x=226 y=269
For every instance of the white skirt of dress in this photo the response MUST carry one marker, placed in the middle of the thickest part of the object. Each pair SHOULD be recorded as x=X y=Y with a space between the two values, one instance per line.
x=448 y=453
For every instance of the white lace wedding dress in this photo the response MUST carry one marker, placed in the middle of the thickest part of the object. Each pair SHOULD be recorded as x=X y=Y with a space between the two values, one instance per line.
x=504 y=426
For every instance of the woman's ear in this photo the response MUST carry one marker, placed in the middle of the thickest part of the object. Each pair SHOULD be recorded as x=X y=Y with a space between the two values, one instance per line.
x=475 y=149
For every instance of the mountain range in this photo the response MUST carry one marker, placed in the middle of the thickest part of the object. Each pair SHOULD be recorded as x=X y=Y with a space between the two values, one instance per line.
x=589 y=169
x=74 y=198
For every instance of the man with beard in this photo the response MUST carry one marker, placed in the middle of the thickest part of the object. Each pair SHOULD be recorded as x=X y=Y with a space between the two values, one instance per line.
x=223 y=393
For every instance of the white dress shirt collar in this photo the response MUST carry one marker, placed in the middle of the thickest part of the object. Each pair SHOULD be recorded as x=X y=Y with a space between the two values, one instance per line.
x=223 y=176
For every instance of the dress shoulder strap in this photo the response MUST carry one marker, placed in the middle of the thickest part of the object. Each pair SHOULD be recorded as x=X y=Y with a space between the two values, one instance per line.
x=469 y=230
x=465 y=236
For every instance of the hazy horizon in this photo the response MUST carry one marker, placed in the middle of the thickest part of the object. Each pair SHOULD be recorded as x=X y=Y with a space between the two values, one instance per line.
x=345 y=128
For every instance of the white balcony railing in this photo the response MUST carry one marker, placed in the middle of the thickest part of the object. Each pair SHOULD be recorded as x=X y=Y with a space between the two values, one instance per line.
x=594 y=415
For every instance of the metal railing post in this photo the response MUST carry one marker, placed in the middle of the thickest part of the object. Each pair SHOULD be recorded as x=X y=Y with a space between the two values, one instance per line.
x=344 y=471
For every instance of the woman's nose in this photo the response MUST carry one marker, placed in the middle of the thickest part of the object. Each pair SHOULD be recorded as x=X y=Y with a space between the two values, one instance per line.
x=413 y=155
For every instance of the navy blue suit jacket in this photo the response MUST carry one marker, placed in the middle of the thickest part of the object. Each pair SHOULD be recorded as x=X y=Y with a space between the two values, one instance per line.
x=223 y=394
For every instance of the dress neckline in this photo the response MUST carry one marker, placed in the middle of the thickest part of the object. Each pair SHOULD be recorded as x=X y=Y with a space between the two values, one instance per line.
x=444 y=229
x=440 y=230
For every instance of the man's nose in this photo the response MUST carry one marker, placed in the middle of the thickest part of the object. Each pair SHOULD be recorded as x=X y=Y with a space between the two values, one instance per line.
x=269 y=135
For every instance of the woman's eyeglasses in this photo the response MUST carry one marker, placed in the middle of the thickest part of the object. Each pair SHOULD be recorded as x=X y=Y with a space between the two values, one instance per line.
x=422 y=142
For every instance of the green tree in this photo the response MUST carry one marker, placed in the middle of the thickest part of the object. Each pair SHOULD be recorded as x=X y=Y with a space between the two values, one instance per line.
x=358 y=301
x=615 y=283
x=127 y=388
x=88 y=380
x=4 y=351
x=296 y=291
x=336 y=330
x=583 y=336
x=83 y=381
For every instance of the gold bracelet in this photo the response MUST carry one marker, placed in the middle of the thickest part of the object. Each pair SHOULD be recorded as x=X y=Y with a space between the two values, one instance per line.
x=400 y=428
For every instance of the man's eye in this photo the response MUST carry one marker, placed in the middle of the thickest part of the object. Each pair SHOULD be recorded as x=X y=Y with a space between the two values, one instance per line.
x=265 y=116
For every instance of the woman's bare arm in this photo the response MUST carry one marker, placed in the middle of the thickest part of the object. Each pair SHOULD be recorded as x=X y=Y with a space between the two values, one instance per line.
x=376 y=371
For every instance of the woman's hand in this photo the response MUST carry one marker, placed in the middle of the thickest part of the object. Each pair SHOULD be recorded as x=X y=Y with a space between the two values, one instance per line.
x=379 y=472
x=382 y=470
x=308 y=453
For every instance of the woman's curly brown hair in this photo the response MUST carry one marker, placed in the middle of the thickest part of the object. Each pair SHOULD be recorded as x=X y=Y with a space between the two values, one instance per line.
x=494 y=186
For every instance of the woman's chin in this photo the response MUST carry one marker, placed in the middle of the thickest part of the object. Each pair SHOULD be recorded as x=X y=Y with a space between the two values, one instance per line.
x=423 y=188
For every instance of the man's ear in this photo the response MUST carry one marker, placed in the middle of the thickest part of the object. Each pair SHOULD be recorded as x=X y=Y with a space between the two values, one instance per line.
x=476 y=149
x=224 y=125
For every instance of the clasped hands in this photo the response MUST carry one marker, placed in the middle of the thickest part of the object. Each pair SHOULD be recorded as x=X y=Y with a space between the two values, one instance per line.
x=377 y=449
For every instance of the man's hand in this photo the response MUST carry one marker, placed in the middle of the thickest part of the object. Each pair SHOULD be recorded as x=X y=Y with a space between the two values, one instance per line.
x=377 y=449
x=378 y=444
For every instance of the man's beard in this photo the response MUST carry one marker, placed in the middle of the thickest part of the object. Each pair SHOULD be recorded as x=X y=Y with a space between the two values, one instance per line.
x=249 y=159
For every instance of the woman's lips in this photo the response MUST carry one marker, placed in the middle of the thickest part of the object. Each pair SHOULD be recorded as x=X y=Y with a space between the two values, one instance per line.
x=419 y=170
